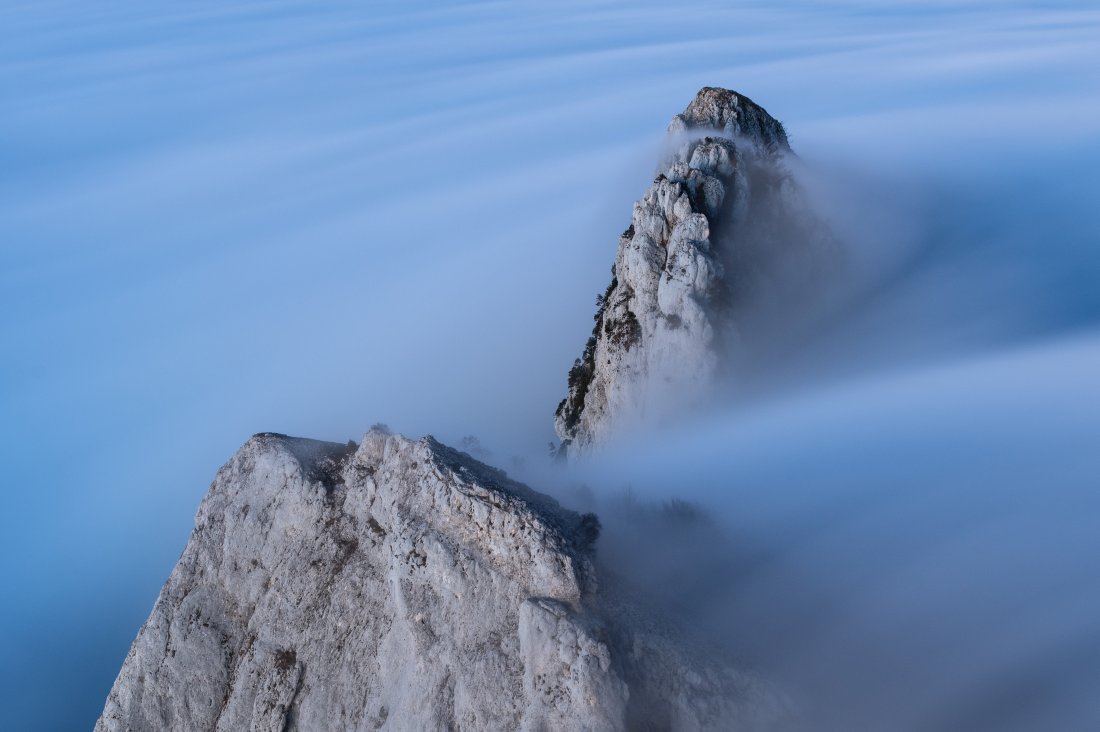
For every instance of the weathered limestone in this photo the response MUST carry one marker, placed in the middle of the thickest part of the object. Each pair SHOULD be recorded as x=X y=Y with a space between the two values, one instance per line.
x=402 y=585
x=708 y=242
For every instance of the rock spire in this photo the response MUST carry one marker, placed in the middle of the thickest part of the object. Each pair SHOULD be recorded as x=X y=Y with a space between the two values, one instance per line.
x=705 y=241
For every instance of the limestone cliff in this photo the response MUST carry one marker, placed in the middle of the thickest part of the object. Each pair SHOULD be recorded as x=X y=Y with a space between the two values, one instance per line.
x=712 y=239
x=400 y=584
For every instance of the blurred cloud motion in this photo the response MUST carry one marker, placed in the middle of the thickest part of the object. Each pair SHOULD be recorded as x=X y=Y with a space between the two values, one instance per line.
x=906 y=552
x=223 y=218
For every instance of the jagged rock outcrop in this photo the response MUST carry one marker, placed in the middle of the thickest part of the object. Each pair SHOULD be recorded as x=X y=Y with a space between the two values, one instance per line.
x=400 y=584
x=722 y=229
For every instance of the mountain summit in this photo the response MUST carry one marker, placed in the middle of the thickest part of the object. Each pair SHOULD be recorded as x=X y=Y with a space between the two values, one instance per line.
x=400 y=584
x=732 y=116
x=709 y=243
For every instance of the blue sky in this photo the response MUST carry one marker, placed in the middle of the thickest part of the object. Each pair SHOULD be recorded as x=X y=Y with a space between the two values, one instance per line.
x=224 y=218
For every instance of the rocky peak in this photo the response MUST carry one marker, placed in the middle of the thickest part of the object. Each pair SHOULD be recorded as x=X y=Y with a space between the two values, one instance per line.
x=732 y=115
x=711 y=232
x=400 y=584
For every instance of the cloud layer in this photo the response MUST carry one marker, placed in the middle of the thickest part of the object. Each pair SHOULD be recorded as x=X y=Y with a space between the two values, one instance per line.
x=221 y=218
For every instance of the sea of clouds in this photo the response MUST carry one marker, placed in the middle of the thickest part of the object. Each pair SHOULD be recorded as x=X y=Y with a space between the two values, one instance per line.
x=223 y=218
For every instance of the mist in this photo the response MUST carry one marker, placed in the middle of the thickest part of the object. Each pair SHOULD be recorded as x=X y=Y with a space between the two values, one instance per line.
x=893 y=514
x=230 y=218
x=905 y=552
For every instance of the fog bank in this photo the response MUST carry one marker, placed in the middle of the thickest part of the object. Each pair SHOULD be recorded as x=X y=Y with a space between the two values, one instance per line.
x=308 y=217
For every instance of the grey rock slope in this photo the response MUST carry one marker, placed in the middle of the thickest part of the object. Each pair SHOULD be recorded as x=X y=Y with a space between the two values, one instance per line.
x=402 y=585
x=722 y=232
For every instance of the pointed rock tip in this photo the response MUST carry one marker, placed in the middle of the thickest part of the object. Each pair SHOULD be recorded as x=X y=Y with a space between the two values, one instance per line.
x=734 y=113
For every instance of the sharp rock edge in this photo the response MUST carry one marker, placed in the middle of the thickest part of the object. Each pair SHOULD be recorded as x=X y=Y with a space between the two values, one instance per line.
x=400 y=584
x=722 y=235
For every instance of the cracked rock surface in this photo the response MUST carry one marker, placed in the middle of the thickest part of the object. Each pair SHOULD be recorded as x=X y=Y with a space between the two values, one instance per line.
x=400 y=584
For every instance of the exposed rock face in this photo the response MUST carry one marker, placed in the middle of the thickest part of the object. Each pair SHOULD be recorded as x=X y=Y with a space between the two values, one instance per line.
x=402 y=585
x=710 y=240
